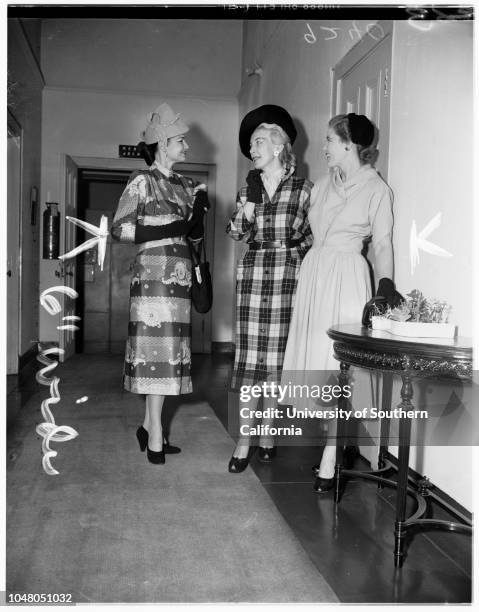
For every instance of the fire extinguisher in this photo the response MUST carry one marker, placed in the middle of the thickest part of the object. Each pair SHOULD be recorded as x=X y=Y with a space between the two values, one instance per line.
x=51 y=231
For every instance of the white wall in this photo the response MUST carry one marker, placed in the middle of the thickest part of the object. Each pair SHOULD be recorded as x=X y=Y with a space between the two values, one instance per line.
x=431 y=158
x=93 y=124
x=178 y=56
x=431 y=171
x=24 y=102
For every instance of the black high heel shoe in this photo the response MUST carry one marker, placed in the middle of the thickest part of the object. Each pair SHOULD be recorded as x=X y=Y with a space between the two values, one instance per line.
x=155 y=456
x=350 y=454
x=237 y=465
x=322 y=485
x=266 y=455
x=142 y=436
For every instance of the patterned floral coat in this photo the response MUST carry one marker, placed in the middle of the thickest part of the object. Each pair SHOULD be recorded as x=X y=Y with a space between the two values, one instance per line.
x=266 y=278
x=158 y=349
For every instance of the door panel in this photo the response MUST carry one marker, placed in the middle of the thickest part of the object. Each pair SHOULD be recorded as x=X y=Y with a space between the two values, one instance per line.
x=14 y=206
x=361 y=84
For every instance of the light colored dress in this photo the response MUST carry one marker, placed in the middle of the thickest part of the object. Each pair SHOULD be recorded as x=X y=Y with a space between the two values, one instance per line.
x=334 y=281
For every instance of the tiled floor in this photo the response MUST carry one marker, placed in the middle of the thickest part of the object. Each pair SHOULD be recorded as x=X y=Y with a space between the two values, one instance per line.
x=352 y=544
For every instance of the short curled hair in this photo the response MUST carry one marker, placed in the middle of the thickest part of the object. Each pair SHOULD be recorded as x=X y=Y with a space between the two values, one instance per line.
x=278 y=136
x=367 y=155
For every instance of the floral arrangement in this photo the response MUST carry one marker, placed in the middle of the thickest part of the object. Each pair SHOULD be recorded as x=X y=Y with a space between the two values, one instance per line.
x=419 y=309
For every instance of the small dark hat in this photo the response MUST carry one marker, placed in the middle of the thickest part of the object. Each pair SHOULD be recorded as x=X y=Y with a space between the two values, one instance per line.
x=268 y=113
x=361 y=129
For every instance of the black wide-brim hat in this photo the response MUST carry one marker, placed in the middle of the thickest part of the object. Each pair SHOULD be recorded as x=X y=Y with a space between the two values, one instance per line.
x=268 y=113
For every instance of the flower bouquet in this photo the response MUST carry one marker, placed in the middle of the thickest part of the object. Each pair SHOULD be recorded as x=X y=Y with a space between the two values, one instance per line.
x=416 y=317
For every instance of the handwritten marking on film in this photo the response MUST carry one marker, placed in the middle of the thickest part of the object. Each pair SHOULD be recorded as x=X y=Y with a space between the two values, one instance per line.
x=374 y=30
x=49 y=430
x=418 y=242
x=100 y=234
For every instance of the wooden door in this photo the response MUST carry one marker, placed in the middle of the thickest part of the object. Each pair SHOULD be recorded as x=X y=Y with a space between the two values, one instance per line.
x=362 y=85
x=68 y=267
x=14 y=207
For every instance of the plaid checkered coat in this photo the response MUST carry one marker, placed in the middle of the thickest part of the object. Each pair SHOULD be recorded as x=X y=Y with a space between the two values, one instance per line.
x=266 y=278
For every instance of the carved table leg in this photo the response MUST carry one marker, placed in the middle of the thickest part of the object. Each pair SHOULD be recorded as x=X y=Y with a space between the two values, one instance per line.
x=343 y=379
x=403 y=469
x=386 y=395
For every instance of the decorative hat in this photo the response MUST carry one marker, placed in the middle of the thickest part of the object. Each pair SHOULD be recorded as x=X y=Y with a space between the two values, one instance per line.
x=361 y=129
x=268 y=113
x=164 y=124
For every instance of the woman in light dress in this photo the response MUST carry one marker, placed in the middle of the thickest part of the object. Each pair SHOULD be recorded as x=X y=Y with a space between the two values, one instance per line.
x=348 y=206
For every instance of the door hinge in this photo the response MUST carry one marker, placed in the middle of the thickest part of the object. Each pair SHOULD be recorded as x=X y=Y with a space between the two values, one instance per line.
x=386 y=83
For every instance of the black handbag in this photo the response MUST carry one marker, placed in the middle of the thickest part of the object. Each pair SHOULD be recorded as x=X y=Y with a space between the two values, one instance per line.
x=201 y=285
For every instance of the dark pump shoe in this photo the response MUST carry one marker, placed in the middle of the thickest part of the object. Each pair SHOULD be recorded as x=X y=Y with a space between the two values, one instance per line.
x=266 y=455
x=155 y=456
x=142 y=437
x=236 y=465
x=350 y=454
x=321 y=485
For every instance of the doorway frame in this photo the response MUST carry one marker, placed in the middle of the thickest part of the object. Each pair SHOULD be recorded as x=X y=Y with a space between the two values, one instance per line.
x=132 y=164
x=13 y=360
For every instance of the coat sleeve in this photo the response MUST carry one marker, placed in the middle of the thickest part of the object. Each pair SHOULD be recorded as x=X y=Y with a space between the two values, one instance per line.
x=240 y=223
x=124 y=222
x=305 y=200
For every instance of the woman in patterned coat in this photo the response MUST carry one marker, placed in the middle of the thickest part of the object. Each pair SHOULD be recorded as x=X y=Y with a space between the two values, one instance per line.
x=158 y=210
x=271 y=214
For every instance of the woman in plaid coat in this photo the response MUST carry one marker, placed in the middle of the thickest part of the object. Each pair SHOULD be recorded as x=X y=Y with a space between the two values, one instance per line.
x=271 y=215
x=159 y=210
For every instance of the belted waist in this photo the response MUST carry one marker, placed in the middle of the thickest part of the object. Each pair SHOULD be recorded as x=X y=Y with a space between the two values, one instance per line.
x=151 y=244
x=274 y=244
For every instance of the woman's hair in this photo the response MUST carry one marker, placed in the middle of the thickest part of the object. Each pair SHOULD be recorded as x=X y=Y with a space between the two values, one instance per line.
x=340 y=125
x=278 y=136
x=147 y=151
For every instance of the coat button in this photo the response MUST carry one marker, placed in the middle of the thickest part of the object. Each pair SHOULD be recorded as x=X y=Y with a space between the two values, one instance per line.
x=261 y=360
x=265 y=299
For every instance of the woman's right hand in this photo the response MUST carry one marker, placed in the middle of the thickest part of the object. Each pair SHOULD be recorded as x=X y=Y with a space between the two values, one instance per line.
x=254 y=190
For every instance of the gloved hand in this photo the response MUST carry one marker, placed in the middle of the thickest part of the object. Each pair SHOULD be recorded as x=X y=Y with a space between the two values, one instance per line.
x=201 y=204
x=386 y=295
x=387 y=289
x=145 y=233
x=254 y=192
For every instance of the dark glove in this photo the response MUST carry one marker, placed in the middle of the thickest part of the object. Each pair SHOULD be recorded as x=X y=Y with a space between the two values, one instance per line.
x=201 y=204
x=386 y=295
x=387 y=289
x=254 y=192
x=145 y=233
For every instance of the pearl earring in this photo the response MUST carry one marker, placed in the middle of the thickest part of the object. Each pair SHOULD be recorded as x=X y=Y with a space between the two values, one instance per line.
x=276 y=153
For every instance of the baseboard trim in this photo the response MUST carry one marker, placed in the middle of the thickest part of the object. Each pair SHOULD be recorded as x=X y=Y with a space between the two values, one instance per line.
x=436 y=494
x=223 y=347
